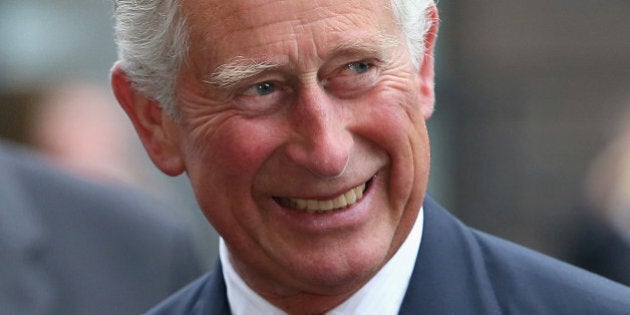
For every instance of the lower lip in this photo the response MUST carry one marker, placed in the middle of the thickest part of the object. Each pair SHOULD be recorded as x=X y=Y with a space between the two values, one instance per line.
x=331 y=220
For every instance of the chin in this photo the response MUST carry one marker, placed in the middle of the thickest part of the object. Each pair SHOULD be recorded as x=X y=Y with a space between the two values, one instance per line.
x=338 y=267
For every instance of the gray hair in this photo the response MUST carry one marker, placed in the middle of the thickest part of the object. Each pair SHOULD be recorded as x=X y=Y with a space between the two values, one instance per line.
x=152 y=45
x=152 y=42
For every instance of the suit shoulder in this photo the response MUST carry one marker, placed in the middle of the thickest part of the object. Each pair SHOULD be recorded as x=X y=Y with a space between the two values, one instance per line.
x=497 y=276
x=182 y=301
x=206 y=295
x=516 y=271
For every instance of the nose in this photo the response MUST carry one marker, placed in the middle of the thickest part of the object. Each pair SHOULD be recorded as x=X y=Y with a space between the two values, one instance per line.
x=322 y=142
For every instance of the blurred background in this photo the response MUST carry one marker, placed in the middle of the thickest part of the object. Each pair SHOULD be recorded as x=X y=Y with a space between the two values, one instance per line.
x=527 y=135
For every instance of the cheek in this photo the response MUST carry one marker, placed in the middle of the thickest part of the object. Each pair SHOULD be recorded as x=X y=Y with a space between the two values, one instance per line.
x=395 y=122
x=222 y=162
x=394 y=119
x=224 y=158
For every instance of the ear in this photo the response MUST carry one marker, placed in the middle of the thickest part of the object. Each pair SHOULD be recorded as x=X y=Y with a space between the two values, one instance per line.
x=426 y=70
x=157 y=131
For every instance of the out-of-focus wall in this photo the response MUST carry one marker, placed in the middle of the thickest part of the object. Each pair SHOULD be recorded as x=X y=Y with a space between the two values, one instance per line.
x=46 y=41
x=533 y=90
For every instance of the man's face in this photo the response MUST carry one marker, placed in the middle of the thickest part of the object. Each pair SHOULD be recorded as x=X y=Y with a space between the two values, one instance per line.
x=291 y=111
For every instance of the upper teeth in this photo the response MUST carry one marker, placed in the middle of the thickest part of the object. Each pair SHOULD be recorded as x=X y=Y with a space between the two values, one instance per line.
x=319 y=206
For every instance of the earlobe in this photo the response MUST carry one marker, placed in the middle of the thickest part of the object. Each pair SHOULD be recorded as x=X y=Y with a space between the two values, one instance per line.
x=155 y=129
x=427 y=71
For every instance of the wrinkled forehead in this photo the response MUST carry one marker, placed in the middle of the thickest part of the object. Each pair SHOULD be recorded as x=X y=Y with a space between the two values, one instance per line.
x=223 y=30
x=261 y=10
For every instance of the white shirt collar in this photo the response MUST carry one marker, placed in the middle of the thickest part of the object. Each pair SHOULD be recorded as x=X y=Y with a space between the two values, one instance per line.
x=383 y=294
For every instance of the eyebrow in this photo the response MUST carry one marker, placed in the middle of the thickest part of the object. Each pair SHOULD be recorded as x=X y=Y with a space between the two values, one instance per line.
x=238 y=69
x=241 y=68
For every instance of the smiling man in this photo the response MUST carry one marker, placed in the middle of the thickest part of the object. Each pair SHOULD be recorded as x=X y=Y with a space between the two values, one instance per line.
x=301 y=125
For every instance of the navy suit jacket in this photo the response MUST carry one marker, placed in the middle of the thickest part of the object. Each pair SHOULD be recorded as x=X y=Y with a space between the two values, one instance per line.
x=460 y=270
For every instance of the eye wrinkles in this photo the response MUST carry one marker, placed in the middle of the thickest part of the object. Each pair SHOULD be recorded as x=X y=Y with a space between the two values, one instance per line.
x=264 y=85
x=352 y=69
x=240 y=68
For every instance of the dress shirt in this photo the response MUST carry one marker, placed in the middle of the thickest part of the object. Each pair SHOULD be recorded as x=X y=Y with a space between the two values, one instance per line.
x=382 y=295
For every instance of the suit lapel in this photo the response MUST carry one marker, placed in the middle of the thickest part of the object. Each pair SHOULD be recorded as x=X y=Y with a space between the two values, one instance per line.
x=449 y=276
x=213 y=300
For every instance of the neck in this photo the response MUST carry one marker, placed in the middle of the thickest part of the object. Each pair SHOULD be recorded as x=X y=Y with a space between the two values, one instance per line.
x=308 y=304
x=300 y=302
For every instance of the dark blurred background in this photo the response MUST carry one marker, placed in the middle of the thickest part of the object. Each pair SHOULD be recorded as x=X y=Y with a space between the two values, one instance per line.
x=529 y=93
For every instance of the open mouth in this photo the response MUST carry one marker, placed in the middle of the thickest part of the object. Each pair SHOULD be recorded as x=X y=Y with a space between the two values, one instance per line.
x=319 y=206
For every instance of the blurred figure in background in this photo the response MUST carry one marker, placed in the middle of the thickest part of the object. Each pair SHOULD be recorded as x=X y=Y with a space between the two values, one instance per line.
x=84 y=241
x=78 y=125
x=602 y=242
x=76 y=236
x=69 y=245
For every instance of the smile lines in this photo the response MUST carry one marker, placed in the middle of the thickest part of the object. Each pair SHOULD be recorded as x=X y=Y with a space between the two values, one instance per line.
x=322 y=206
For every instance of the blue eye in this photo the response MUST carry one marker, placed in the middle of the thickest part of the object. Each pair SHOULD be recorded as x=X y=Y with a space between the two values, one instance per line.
x=360 y=67
x=265 y=88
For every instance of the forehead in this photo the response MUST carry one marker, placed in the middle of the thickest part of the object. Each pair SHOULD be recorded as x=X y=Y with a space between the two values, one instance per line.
x=223 y=30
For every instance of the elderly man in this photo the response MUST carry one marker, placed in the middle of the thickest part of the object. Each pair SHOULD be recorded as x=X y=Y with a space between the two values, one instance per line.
x=301 y=125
